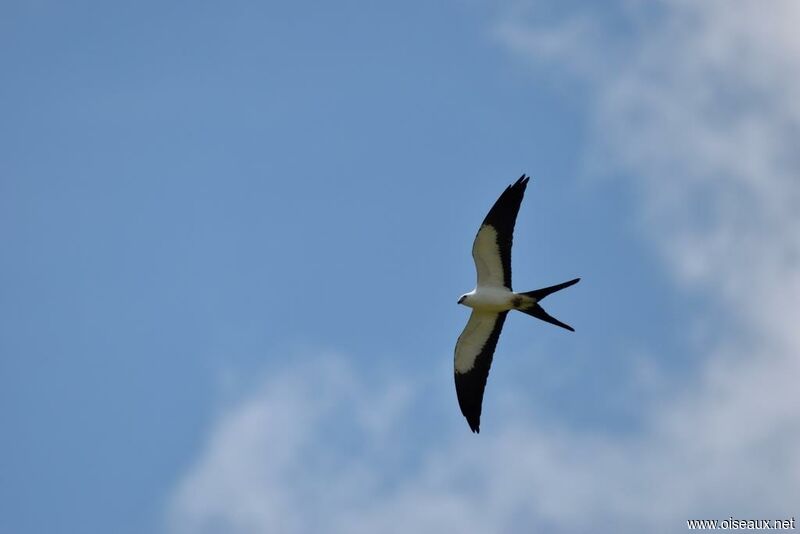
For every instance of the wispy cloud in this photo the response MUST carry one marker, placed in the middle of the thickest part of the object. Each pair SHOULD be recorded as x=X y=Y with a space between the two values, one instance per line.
x=699 y=111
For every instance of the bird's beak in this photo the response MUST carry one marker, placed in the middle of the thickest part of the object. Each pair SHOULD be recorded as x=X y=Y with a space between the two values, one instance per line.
x=461 y=300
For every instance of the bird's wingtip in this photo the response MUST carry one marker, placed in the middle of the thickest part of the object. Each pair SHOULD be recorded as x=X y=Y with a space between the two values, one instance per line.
x=474 y=425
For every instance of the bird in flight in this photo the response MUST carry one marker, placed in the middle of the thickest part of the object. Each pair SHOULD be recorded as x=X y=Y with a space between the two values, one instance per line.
x=491 y=301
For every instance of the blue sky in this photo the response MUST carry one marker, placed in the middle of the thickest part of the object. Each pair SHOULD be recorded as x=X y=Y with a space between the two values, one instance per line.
x=234 y=236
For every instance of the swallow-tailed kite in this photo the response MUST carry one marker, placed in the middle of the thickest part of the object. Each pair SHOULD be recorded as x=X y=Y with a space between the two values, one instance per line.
x=491 y=301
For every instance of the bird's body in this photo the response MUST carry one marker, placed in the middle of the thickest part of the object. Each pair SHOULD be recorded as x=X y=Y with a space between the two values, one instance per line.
x=491 y=300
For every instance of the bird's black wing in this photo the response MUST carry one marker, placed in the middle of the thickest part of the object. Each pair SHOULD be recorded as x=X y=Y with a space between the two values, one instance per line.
x=491 y=249
x=473 y=358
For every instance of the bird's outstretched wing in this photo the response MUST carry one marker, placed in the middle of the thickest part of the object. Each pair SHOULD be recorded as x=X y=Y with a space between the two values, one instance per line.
x=473 y=358
x=492 y=247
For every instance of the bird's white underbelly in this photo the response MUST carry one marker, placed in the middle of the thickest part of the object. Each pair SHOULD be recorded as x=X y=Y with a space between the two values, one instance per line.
x=495 y=299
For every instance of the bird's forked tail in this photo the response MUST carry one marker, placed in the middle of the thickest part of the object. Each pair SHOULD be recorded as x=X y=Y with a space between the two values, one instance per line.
x=530 y=305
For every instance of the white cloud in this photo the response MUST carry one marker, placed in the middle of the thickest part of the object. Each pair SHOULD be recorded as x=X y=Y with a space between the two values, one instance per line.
x=700 y=110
